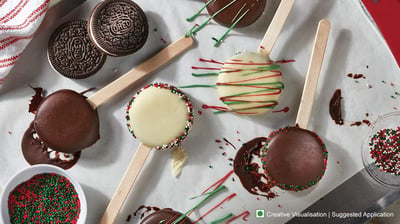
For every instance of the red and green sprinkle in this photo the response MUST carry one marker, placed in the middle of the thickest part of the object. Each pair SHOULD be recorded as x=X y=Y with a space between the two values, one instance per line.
x=44 y=198
x=385 y=150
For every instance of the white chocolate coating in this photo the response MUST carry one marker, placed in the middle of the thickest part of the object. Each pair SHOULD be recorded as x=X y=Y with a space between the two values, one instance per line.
x=157 y=116
x=249 y=83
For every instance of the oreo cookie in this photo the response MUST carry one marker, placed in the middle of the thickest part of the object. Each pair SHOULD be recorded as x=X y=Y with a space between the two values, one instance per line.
x=71 y=52
x=118 y=27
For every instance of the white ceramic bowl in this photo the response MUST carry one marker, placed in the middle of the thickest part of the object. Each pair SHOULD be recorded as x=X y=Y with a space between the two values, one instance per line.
x=29 y=172
x=387 y=121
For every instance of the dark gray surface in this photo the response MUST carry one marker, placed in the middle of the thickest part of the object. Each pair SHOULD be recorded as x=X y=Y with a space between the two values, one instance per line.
x=359 y=194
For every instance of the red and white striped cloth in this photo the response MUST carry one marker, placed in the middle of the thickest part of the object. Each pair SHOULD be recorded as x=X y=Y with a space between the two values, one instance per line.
x=19 y=20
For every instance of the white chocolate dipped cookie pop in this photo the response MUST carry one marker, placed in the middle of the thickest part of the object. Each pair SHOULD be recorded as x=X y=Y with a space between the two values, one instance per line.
x=250 y=82
x=160 y=116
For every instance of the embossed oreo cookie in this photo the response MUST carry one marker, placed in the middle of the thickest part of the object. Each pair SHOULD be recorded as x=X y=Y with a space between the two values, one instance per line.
x=71 y=52
x=118 y=27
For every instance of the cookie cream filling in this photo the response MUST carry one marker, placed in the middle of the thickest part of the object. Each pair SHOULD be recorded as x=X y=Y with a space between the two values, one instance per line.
x=54 y=155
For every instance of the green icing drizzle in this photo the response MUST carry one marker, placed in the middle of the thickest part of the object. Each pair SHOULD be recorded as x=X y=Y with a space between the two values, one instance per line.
x=218 y=41
x=201 y=10
x=196 y=27
x=222 y=219
x=208 y=195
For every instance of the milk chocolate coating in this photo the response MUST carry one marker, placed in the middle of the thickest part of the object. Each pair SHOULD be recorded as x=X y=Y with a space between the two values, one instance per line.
x=247 y=170
x=66 y=122
x=165 y=215
x=229 y=15
x=295 y=156
x=35 y=152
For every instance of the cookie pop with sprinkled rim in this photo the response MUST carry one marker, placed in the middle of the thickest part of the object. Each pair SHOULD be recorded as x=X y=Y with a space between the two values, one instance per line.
x=250 y=83
x=293 y=157
x=160 y=116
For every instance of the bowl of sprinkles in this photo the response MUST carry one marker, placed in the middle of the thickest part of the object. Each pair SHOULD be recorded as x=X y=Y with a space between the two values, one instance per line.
x=381 y=150
x=43 y=194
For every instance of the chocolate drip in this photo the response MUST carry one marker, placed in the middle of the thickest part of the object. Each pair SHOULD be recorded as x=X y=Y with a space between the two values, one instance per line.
x=35 y=152
x=247 y=171
x=165 y=215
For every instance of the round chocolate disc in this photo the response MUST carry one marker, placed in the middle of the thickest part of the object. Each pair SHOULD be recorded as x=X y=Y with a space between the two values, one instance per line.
x=166 y=215
x=71 y=53
x=294 y=158
x=118 y=27
x=66 y=122
x=230 y=11
x=35 y=152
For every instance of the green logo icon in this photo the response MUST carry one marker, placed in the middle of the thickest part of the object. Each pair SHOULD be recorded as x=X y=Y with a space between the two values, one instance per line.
x=260 y=213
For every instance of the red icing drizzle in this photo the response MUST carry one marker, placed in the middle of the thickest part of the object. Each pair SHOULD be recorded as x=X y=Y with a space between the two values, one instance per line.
x=260 y=89
x=285 y=110
x=216 y=206
x=245 y=214
x=218 y=183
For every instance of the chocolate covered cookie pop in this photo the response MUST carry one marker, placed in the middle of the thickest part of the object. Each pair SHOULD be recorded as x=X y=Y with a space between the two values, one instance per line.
x=295 y=158
x=65 y=122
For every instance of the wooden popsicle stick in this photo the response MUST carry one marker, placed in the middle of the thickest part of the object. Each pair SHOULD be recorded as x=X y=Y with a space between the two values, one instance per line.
x=148 y=66
x=314 y=68
x=275 y=27
x=126 y=184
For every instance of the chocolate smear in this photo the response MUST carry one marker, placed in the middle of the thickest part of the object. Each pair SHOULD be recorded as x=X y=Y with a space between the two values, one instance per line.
x=248 y=171
x=335 y=107
x=36 y=99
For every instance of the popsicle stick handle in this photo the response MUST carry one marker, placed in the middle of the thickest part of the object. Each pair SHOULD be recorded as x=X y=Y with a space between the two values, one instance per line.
x=314 y=68
x=148 y=66
x=275 y=26
x=126 y=184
